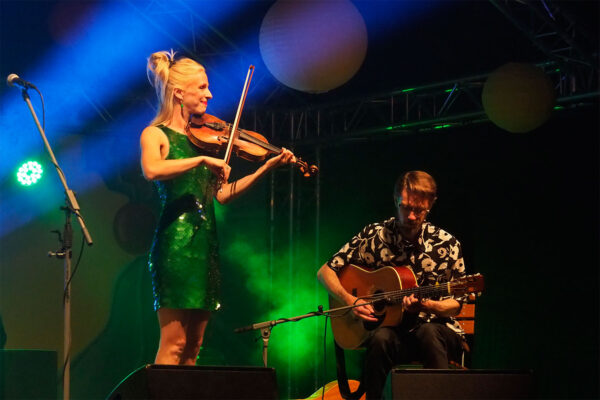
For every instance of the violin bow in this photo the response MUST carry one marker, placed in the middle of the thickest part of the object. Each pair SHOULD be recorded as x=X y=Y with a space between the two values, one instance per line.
x=233 y=135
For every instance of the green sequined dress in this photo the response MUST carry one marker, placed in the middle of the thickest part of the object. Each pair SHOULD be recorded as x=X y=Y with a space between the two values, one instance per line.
x=184 y=255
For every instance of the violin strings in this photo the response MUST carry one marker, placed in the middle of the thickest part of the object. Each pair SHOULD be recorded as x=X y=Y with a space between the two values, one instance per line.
x=256 y=141
x=218 y=126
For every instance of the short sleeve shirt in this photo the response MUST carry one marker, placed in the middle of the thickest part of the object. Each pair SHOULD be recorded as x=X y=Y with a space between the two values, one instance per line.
x=435 y=258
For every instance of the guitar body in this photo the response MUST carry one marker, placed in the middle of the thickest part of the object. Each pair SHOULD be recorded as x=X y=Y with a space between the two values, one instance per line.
x=332 y=391
x=350 y=331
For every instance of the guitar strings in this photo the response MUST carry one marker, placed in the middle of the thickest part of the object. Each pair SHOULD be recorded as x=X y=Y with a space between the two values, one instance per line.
x=423 y=291
x=419 y=291
x=396 y=295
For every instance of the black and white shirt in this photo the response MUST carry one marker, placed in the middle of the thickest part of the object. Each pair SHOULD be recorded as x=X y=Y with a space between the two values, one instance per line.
x=435 y=258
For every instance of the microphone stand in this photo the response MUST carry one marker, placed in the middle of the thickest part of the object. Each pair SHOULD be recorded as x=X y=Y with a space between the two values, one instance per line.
x=267 y=326
x=71 y=207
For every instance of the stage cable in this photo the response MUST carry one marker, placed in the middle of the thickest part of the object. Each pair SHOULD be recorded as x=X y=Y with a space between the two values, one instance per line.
x=65 y=291
x=76 y=264
x=58 y=168
x=324 y=357
x=43 y=108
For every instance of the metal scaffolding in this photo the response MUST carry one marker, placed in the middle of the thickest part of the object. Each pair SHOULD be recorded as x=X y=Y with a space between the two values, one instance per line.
x=553 y=30
x=406 y=111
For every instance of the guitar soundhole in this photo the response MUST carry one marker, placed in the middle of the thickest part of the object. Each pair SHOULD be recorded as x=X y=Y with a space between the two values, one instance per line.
x=379 y=306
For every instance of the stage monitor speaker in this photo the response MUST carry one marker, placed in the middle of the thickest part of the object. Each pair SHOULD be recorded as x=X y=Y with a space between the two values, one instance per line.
x=28 y=374
x=414 y=384
x=155 y=381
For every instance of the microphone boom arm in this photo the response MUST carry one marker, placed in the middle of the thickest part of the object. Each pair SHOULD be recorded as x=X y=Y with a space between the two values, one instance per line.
x=267 y=326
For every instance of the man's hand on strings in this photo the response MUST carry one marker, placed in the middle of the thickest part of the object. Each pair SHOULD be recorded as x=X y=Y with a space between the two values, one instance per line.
x=413 y=304
x=365 y=311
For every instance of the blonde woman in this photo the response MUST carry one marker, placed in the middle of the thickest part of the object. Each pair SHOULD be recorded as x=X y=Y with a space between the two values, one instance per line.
x=184 y=256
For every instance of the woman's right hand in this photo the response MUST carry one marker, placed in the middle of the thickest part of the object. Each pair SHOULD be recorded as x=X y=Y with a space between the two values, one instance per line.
x=218 y=167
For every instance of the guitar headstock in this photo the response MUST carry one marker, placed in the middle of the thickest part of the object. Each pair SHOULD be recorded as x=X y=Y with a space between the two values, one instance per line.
x=467 y=285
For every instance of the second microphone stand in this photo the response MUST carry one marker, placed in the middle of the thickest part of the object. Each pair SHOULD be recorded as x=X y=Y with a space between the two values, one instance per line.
x=266 y=327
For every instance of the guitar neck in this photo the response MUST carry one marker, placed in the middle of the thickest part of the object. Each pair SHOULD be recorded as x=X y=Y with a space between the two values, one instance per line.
x=396 y=296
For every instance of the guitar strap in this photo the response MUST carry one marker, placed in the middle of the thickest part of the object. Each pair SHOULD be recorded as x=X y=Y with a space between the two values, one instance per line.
x=342 y=377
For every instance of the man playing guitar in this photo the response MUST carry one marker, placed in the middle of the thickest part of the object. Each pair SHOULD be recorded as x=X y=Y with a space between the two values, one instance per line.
x=433 y=255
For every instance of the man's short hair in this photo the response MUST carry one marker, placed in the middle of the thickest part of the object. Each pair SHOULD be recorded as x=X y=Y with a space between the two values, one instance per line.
x=417 y=183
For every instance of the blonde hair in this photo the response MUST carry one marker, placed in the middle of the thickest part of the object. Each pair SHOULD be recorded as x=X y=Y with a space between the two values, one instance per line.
x=165 y=73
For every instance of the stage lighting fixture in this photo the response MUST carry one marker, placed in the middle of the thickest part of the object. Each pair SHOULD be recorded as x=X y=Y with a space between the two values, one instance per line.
x=30 y=173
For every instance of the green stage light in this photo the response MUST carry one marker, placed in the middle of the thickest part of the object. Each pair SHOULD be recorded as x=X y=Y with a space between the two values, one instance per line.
x=29 y=173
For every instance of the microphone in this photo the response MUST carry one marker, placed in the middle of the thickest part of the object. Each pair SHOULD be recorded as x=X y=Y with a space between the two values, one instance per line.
x=13 y=79
x=244 y=329
x=254 y=327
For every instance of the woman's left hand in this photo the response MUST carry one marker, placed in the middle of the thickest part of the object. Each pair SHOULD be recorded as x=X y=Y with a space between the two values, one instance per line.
x=285 y=157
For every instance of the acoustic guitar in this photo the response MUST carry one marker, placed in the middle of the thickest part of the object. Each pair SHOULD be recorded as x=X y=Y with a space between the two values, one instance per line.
x=331 y=391
x=387 y=287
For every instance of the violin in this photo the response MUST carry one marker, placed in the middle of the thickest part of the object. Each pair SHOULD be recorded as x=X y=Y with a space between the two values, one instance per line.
x=212 y=135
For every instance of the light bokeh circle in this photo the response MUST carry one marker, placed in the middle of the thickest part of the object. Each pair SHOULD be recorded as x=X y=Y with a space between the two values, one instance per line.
x=518 y=97
x=313 y=46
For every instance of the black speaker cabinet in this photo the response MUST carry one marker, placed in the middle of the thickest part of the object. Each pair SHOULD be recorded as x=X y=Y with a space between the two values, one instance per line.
x=414 y=384
x=28 y=374
x=155 y=381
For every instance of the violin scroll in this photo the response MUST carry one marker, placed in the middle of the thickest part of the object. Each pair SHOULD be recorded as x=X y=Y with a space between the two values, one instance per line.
x=307 y=170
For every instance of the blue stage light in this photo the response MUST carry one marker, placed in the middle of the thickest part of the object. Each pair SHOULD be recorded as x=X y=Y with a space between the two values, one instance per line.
x=80 y=78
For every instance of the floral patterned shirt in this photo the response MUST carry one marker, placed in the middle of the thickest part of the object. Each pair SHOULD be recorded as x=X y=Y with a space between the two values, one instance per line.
x=435 y=258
